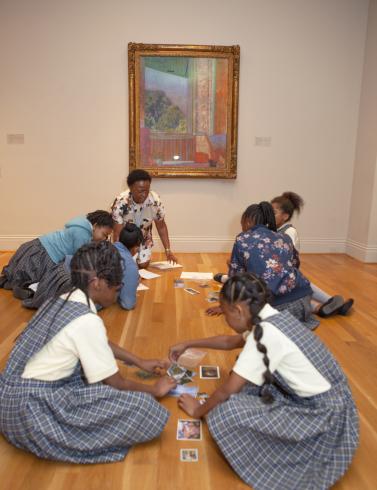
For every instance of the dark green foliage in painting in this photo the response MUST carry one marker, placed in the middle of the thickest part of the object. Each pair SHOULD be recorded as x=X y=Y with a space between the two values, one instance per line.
x=161 y=114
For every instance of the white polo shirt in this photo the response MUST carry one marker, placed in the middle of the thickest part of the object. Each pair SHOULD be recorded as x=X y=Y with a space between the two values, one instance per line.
x=83 y=339
x=285 y=358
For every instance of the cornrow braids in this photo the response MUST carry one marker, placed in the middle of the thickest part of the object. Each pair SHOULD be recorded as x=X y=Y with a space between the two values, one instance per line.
x=246 y=287
x=100 y=218
x=289 y=202
x=260 y=214
x=95 y=259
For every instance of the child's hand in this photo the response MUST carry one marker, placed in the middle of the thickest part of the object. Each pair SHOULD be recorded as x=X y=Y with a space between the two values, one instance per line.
x=154 y=365
x=188 y=404
x=163 y=386
x=175 y=351
x=214 y=311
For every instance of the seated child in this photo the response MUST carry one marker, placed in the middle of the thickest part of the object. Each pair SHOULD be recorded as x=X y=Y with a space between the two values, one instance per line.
x=285 y=417
x=259 y=249
x=42 y=260
x=62 y=396
x=130 y=239
x=285 y=206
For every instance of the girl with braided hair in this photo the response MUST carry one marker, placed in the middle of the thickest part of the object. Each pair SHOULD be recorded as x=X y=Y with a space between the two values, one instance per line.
x=42 y=260
x=62 y=396
x=285 y=417
x=284 y=207
x=259 y=249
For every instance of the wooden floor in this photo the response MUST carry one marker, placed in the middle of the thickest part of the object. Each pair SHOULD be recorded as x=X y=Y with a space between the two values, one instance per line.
x=165 y=315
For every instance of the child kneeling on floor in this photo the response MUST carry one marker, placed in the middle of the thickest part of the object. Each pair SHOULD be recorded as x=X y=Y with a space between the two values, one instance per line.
x=62 y=396
x=285 y=417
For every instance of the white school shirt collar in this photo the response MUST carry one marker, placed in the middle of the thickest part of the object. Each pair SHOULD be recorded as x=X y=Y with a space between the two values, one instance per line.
x=264 y=314
x=79 y=297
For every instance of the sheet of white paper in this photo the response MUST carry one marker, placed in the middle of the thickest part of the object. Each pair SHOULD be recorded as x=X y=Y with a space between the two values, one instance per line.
x=164 y=265
x=142 y=287
x=147 y=275
x=197 y=276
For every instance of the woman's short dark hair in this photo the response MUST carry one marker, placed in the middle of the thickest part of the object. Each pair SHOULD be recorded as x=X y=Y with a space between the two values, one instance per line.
x=136 y=175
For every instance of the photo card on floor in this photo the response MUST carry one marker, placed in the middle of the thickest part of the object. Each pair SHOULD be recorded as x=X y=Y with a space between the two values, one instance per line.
x=209 y=372
x=189 y=455
x=189 y=430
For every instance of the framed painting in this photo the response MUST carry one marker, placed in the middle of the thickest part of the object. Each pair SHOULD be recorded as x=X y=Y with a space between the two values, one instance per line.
x=183 y=109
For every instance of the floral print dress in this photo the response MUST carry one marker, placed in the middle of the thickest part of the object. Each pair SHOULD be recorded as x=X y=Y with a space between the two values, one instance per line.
x=126 y=210
x=270 y=256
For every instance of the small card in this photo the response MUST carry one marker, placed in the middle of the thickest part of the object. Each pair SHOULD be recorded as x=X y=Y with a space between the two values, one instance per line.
x=197 y=276
x=191 y=291
x=176 y=371
x=145 y=375
x=179 y=283
x=189 y=430
x=209 y=372
x=183 y=390
x=147 y=274
x=142 y=287
x=189 y=455
x=164 y=265
x=202 y=397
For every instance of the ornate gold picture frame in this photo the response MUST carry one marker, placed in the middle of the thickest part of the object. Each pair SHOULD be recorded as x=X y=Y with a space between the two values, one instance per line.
x=183 y=109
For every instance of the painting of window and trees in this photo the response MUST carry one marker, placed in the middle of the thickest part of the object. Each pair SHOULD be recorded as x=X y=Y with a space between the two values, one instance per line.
x=183 y=110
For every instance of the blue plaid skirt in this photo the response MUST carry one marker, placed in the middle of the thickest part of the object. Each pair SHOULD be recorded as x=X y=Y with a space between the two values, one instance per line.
x=76 y=422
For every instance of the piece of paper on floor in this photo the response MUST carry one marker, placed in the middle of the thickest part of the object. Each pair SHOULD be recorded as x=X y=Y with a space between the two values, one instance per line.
x=147 y=274
x=181 y=389
x=197 y=276
x=164 y=265
x=142 y=287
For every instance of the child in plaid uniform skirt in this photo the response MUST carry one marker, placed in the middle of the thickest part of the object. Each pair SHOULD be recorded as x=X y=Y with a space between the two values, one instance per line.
x=42 y=260
x=66 y=417
x=285 y=418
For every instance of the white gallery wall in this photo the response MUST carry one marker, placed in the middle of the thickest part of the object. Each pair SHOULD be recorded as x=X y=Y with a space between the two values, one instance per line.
x=63 y=85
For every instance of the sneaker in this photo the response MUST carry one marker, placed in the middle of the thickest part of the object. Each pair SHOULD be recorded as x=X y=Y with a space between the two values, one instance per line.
x=331 y=307
x=346 y=306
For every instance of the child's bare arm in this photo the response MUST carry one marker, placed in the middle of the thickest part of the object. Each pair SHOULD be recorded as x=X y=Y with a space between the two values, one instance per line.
x=221 y=342
x=192 y=407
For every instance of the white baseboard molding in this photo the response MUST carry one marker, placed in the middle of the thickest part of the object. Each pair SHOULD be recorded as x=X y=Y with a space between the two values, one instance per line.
x=12 y=242
x=362 y=252
x=224 y=244
x=195 y=244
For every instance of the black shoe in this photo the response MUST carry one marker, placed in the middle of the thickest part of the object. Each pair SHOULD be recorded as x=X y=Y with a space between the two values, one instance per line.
x=222 y=278
x=21 y=293
x=331 y=307
x=345 y=308
x=3 y=280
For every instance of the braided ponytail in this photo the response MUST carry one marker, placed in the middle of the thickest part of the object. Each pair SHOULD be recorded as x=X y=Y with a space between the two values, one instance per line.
x=246 y=287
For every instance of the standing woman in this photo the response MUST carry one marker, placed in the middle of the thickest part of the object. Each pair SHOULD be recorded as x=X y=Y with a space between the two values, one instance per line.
x=62 y=396
x=141 y=206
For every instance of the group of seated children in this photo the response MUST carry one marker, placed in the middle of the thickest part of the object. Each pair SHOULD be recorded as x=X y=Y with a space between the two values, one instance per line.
x=283 y=418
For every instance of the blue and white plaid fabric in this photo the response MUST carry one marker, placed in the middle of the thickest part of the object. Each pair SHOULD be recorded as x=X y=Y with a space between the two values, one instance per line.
x=31 y=263
x=300 y=309
x=294 y=443
x=70 y=420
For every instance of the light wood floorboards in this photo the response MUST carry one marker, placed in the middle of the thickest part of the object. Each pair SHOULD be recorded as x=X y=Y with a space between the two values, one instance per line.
x=165 y=315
